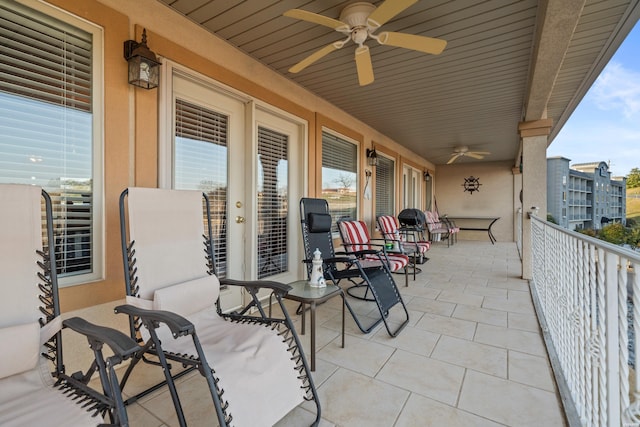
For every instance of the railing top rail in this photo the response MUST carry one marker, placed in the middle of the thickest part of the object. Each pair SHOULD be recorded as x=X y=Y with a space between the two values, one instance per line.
x=610 y=247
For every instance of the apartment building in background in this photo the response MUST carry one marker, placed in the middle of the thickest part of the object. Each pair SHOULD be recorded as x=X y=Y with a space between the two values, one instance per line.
x=584 y=195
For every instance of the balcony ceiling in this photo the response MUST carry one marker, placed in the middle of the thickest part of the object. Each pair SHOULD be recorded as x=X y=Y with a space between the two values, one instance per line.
x=505 y=62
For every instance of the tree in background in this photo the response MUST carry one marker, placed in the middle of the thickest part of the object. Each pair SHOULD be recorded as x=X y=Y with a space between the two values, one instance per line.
x=614 y=233
x=633 y=179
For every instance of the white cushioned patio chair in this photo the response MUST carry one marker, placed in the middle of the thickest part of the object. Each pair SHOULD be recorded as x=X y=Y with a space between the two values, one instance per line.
x=254 y=365
x=34 y=387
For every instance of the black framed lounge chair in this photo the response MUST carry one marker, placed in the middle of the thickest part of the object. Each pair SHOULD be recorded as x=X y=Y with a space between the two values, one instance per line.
x=254 y=365
x=34 y=387
x=316 y=223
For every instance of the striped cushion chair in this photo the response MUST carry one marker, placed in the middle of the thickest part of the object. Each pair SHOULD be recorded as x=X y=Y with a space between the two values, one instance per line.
x=355 y=238
x=453 y=229
x=407 y=241
x=437 y=229
x=391 y=232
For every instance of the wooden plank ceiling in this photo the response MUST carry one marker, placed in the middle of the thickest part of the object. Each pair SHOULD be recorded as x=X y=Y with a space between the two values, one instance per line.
x=472 y=94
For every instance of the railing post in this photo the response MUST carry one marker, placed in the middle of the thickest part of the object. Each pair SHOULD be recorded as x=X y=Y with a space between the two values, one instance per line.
x=612 y=339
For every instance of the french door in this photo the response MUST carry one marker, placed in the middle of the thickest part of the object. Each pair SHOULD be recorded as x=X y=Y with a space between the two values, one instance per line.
x=248 y=158
x=411 y=179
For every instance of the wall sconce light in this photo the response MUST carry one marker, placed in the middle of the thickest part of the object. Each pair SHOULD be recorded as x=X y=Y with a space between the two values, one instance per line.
x=372 y=157
x=144 y=68
x=427 y=176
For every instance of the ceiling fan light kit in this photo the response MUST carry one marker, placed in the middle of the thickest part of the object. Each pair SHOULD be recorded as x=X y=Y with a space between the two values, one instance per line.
x=359 y=21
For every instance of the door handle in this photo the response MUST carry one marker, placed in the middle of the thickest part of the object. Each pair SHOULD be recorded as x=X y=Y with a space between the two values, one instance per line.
x=240 y=219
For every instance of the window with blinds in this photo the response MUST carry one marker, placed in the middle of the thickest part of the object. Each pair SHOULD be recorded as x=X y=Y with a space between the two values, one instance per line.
x=200 y=163
x=273 y=207
x=47 y=125
x=339 y=177
x=385 y=186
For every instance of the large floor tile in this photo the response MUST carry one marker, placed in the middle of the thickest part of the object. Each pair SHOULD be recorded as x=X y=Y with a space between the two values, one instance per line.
x=481 y=315
x=512 y=339
x=355 y=400
x=509 y=403
x=411 y=339
x=359 y=355
x=513 y=305
x=480 y=357
x=424 y=412
x=447 y=326
x=431 y=378
x=526 y=322
x=431 y=306
x=457 y=297
x=531 y=370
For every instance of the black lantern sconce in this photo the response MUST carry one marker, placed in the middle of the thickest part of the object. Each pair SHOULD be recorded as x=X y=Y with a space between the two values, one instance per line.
x=427 y=176
x=144 y=68
x=372 y=157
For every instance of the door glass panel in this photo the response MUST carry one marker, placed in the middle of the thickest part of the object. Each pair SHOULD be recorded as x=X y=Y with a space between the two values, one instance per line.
x=273 y=208
x=200 y=163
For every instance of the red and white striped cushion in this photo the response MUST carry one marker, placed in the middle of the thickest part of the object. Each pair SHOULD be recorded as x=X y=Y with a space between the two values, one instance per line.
x=355 y=236
x=397 y=261
x=388 y=226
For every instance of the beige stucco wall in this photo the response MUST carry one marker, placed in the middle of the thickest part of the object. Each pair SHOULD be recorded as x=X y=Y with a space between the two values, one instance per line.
x=131 y=114
x=495 y=197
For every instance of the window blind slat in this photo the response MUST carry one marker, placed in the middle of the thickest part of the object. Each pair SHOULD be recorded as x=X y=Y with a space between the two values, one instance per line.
x=272 y=202
x=46 y=123
x=200 y=163
x=385 y=191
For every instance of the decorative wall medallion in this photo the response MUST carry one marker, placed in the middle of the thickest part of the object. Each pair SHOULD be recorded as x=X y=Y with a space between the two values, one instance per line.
x=471 y=184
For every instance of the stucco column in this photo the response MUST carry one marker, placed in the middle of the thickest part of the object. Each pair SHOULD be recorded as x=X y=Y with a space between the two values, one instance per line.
x=534 y=136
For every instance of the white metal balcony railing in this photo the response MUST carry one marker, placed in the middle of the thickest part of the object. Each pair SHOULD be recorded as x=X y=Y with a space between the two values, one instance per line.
x=587 y=296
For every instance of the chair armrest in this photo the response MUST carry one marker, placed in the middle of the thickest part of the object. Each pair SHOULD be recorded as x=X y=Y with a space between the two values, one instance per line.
x=257 y=284
x=121 y=344
x=334 y=260
x=179 y=325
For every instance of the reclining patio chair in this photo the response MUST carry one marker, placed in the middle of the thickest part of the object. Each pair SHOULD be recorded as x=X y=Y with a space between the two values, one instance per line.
x=356 y=238
x=34 y=387
x=254 y=365
x=406 y=240
x=376 y=276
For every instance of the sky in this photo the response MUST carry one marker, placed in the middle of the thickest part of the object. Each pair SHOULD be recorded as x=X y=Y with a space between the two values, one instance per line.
x=606 y=124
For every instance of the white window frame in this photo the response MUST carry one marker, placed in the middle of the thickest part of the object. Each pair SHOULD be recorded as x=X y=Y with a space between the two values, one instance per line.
x=97 y=101
x=357 y=183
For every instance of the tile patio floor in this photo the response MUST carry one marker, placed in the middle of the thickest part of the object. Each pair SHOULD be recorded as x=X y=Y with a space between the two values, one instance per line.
x=472 y=355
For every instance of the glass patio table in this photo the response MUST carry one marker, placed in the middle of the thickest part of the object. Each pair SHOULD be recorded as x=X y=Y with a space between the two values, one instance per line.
x=305 y=294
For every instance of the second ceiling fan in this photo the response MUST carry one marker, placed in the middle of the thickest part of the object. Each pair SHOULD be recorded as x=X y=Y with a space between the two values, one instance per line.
x=463 y=150
x=359 y=21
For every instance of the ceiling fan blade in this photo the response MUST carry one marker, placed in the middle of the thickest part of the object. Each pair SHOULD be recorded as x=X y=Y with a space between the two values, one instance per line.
x=453 y=158
x=388 y=10
x=474 y=155
x=412 y=41
x=315 y=18
x=482 y=153
x=364 y=66
x=315 y=56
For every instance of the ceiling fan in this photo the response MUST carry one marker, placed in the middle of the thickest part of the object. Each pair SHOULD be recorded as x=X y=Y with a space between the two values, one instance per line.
x=359 y=21
x=463 y=150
